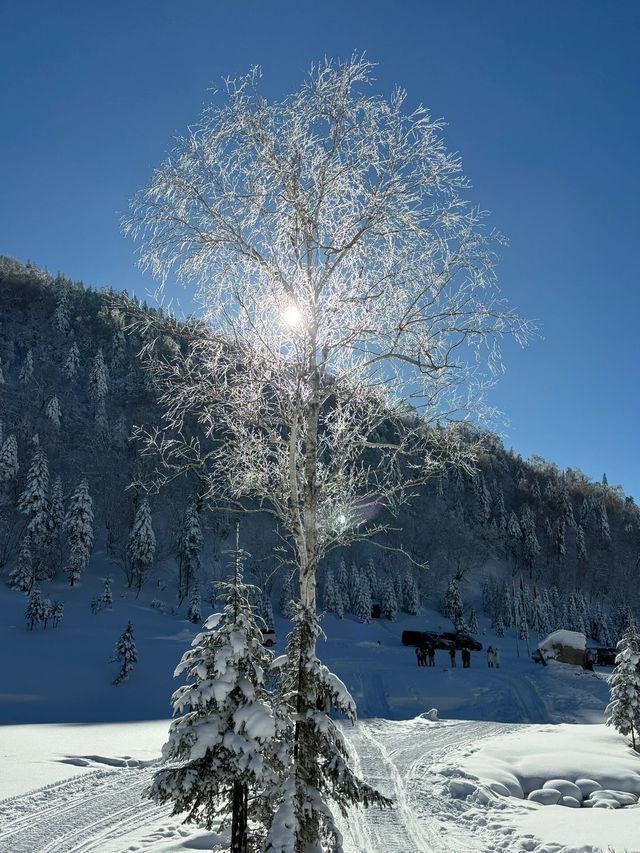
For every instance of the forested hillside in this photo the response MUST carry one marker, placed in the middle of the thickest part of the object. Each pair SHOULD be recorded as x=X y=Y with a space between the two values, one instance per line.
x=546 y=547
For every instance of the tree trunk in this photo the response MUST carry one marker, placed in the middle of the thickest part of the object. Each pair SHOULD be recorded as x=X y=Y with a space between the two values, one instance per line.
x=239 y=818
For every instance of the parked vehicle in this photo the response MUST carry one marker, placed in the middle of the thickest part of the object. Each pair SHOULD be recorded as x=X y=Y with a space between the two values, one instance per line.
x=269 y=638
x=441 y=640
x=606 y=656
x=461 y=639
x=419 y=638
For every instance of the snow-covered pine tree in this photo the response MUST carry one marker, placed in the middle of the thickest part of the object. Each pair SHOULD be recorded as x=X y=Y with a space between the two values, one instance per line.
x=514 y=537
x=560 y=545
x=303 y=820
x=120 y=431
x=78 y=524
x=125 y=653
x=53 y=411
x=227 y=751
x=388 y=600
x=453 y=604
x=141 y=547
x=371 y=573
x=603 y=524
x=61 y=313
x=586 y=512
x=508 y=614
x=47 y=611
x=9 y=466
x=354 y=583
x=623 y=711
x=581 y=545
x=72 y=363
x=22 y=577
x=332 y=597
x=266 y=610
x=499 y=626
x=287 y=595
x=194 y=613
x=26 y=371
x=36 y=608
x=472 y=622
x=98 y=377
x=189 y=547
x=342 y=584
x=362 y=600
x=106 y=597
x=482 y=508
x=410 y=597
x=57 y=612
x=33 y=500
x=566 y=507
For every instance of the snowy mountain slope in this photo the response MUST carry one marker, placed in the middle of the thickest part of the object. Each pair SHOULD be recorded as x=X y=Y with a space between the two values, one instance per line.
x=447 y=780
x=65 y=675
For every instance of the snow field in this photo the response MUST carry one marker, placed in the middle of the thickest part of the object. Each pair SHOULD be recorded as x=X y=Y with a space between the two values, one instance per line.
x=457 y=786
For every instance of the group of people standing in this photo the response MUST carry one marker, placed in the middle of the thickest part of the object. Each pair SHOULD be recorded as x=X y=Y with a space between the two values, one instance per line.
x=426 y=656
x=493 y=658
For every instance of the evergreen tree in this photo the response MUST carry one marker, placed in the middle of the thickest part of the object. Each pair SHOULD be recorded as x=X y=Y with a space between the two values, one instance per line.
x=508 y=608
x=303 y=820
x=194 y=613
x=371 y=574
x=499 y=626
x=36 y=608
x=581 y=545
x=125 y=653
x=603 y=524
x=560 y=546
x=22 y=577
x=78 y=525
x=586 y=512
x=472 y=622
x=189 y=548
x=342 y=585
x=57 y=612
x=453 y=604
x=388 y=600
x=9 y=459
x=362 y=600
x=33 y=501
x=53 y=411
x=566 y=507
x=121 y=432
x=141 y=548
x=623 y=711
x=226 y=751
x=70 y=369
x=287 y=596
x=98 y=378
x=26 y=371
x=61 y=313
x=514 y=537
x=482 y=511
x=410 y=597
x=106 y=597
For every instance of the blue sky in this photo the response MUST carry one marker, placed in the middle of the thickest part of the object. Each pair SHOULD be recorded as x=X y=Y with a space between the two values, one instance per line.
x=542 y=103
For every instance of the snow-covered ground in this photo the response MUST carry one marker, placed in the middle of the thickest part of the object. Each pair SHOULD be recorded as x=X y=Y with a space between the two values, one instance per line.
x=450 y=782
x=73 y=769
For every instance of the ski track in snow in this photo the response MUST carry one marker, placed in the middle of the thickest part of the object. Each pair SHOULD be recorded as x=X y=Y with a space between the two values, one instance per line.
x=413 y=762
x=424 y=818
x=80 y=814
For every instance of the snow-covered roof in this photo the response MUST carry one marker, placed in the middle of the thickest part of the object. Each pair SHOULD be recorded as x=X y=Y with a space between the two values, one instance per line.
x=572 y=639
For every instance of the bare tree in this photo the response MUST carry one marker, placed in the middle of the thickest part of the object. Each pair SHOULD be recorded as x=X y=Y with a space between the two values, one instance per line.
x=349 y=307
